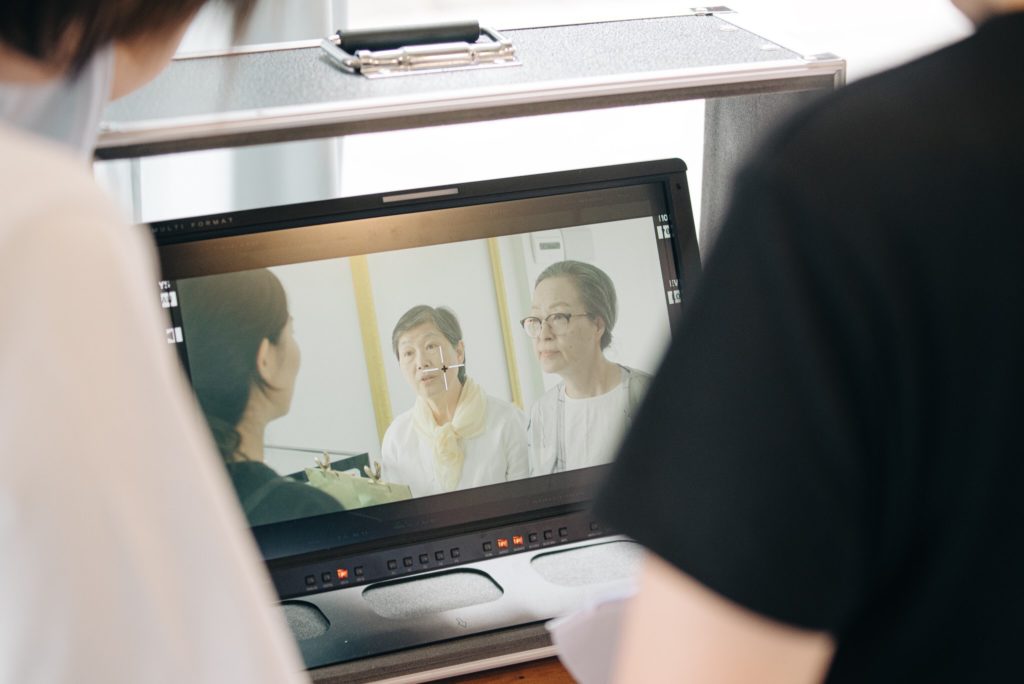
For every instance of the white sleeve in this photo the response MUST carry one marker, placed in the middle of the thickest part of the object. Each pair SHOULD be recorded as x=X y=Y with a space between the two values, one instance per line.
x=388 y=454
x=125 y=555
x=535 y=438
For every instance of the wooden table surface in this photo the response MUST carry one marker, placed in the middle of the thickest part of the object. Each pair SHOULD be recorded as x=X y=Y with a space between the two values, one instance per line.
x=546 y=670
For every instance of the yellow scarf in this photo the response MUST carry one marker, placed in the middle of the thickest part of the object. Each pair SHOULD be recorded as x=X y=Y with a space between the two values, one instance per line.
x=469 y=421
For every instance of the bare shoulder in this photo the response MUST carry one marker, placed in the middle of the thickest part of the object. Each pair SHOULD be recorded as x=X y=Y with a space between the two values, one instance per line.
x=677 y=628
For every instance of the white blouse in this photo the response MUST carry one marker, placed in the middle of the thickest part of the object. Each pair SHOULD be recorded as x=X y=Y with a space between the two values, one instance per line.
x=498 y=454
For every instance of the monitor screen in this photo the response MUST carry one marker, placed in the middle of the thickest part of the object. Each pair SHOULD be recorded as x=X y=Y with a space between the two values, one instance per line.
x=388 y=368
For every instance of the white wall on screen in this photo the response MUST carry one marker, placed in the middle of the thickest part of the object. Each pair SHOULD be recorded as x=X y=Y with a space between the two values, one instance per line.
x=331 y=408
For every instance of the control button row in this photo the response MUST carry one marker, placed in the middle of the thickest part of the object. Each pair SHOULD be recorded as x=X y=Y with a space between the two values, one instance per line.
x=503 y=544
x=424 y=558
x=328 y=577
x=518 y=541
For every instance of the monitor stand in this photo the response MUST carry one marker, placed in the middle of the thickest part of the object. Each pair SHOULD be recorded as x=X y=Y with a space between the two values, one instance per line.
x=508 y=591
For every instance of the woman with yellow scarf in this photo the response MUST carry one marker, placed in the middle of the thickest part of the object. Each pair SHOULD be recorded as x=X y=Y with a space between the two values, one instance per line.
x=454 y=436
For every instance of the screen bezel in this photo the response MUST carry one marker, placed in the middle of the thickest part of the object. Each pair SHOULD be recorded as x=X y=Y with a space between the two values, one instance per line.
x=182 y=242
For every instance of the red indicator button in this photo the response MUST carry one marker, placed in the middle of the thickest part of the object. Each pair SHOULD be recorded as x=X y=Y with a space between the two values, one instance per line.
x=342 y=573
x=503 y=543
x=517 y=539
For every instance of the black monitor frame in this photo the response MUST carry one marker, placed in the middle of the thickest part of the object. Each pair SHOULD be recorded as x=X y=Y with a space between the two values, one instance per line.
x=209 y=244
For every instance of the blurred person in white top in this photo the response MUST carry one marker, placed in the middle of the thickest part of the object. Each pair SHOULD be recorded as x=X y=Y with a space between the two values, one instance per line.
x=125 y=555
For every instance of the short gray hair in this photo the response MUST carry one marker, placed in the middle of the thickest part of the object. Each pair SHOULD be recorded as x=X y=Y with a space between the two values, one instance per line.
x=442 y=317
x=595 y=287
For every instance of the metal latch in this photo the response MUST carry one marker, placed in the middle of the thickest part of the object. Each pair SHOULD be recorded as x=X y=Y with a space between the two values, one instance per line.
x=409 y=51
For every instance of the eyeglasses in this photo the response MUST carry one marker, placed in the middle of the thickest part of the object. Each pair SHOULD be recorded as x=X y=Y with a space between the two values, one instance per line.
x=557 y=323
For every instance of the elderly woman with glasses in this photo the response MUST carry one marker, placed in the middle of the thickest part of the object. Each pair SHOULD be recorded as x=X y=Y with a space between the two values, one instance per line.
x=579 y=421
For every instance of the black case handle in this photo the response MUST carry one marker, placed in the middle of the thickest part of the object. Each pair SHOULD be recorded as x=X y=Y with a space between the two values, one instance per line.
x=393 y=38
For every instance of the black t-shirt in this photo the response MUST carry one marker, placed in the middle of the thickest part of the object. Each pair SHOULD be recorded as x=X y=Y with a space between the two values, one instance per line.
x=835 y=437
x=267 y=497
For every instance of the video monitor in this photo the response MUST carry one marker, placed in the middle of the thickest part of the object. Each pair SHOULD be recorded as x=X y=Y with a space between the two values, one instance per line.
x=386 y=369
